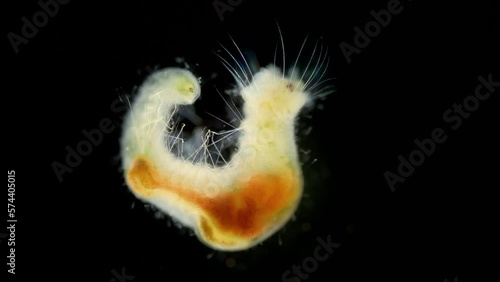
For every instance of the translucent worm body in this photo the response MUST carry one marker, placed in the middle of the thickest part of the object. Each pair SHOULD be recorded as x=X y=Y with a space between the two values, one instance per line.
x=230 y=207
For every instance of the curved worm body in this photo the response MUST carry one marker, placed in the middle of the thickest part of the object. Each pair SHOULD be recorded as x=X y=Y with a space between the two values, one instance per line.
x=231 y=207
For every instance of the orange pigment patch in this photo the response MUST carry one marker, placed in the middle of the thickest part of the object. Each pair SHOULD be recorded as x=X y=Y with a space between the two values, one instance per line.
x=246 y=212
x=141 y=178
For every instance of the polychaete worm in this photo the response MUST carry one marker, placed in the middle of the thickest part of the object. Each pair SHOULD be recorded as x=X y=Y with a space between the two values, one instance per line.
x=254 y=193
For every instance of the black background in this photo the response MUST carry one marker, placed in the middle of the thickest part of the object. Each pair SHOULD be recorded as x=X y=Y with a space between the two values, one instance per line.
x=437 y=225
